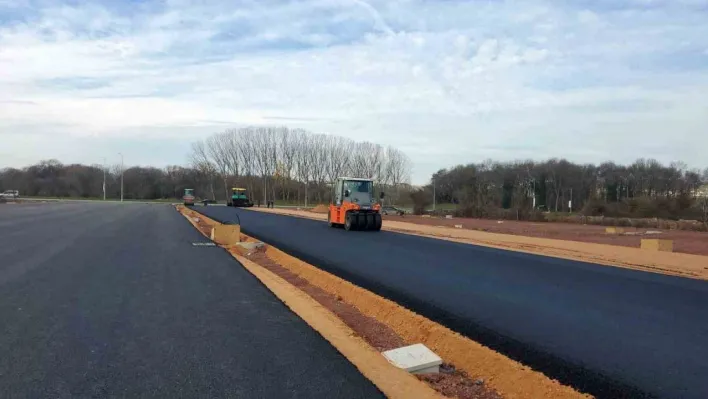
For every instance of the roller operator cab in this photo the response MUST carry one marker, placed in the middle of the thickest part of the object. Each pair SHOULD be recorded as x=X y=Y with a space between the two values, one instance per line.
x=239 y=198
x=188 y=197
x=354 y=206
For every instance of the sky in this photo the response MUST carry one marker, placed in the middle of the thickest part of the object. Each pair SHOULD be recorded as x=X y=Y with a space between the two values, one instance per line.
x=445 y=81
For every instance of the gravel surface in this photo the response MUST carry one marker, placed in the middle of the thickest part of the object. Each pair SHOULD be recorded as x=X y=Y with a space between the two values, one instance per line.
x=608 y=331
x=111 y=300
x=690 y=242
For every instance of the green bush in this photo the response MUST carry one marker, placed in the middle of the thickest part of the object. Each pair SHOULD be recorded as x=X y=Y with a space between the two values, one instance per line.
x=692 y=225
x=421 y=201
x=642 y=223
x=624 y=222
x=623 y=214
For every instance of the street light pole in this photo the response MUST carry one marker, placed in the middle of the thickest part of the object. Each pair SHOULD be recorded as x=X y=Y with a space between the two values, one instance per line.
x=104 y=178
x=121 y=176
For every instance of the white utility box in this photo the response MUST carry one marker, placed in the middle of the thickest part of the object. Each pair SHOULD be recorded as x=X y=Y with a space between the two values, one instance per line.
x=416 y=359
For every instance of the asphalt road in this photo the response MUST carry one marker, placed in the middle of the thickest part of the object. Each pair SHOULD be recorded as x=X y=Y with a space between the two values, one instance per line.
x=110 y=300
x=609 y=331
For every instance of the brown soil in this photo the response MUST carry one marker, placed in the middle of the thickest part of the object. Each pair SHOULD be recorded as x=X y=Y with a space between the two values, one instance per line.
x=450 y=382
x=690 y=242
x=456 y=384
x=320 y=209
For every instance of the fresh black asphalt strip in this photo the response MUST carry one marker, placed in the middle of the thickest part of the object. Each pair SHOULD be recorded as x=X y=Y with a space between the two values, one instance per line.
x=111 y=300
x=608 y=331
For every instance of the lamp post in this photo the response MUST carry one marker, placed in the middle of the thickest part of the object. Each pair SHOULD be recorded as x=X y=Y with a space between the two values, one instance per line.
x=121 y=176
x=104 y=178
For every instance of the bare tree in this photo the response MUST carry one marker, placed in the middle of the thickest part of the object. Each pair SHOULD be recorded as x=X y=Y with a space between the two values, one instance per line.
x=217 y=147
x=338 y=153
x=262 y=156
x=273 y=156
x=201 y=162
x=303 y=161
x=366 y=160
x=377 y=159
x=318 y=161
x=233 y=152
x=287 y=149
x=247 y=153
x=399 y=168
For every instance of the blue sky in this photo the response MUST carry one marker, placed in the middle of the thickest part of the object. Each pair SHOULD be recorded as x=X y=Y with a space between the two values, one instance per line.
x=446 y=81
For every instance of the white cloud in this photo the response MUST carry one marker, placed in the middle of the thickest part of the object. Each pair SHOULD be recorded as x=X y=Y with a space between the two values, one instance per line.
x=446 y=81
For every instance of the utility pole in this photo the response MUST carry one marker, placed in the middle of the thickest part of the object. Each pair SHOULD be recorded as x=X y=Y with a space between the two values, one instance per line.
x=121 y=176
x=104 y=178
x=533 y=194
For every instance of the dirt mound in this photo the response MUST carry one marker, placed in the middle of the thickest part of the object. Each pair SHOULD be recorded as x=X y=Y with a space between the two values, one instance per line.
x=320 y=209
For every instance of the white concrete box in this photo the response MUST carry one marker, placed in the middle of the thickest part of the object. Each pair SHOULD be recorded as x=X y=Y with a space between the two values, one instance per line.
x=416 y=359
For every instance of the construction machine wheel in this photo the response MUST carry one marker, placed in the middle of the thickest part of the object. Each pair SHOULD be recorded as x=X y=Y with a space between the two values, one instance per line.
x=370 y=221
x=363 y=222
x=378 y=222
x=360 y=221
x=349 y=223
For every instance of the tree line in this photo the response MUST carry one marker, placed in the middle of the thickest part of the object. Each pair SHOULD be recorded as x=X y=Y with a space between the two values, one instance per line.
x=273 y=163
x=294 y=165
x=51 y=178
x=645 y=188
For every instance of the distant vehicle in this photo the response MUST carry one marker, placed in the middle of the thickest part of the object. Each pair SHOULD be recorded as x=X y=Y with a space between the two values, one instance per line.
x=392 y=210
x=207 y=201
x=239 y=198
x=188 y=197
x=353 y=205
x=10 y=194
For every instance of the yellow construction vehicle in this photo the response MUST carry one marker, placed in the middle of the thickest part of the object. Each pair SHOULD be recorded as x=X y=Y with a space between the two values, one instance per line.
x=353 y=205
x=239 y=198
